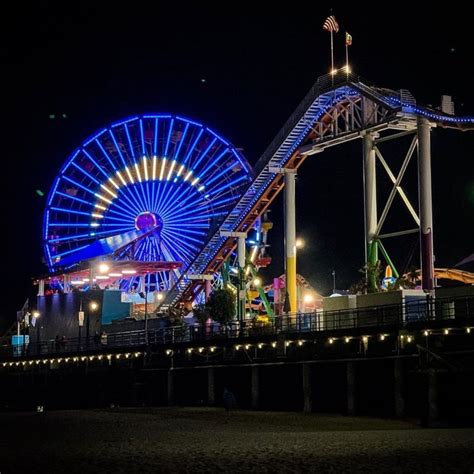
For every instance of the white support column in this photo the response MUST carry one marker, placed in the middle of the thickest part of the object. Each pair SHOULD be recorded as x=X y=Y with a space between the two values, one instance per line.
x=425 y=203
x=370 y=196
x=290 y=238
x=41 y=287
x=241 y=236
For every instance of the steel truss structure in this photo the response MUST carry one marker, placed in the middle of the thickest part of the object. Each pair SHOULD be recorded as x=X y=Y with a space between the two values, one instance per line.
x=337 y=109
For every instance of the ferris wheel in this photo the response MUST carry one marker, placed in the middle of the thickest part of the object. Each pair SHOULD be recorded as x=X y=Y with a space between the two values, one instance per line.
x=163 y=173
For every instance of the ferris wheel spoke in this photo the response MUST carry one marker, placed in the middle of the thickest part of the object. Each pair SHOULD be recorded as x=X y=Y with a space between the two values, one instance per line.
x=173 y=253
x=108 y=158
x=185 y=231
x=193 y=146
x=132 y=205
x=213 y=168
x=183 y=238
x=181 y=141
x=227 y=185
x=201 y=157
x=173 y=240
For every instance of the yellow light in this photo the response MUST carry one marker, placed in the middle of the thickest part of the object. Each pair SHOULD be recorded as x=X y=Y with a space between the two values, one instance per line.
x=121 y=178
x=347 y=68
x=334 y=71
x=299 y=243
x=247 y=346
x=129 y=272
x=137 y=354
x=274 y=344
x=409 y=338
x=287 y=343
x=347 y=339
x=114 y=183
x=365 y=338
x=36 y=314
x=212 y=349
x=90 y=358
x=260 y=345
x=154 y=167
x=190 y=350
x=446 y=331
x=145 y=167
x=93 y=306
x=105 y=188
x=117 y=356
x=127 y=355
x=308 y=298
x=257 y=281
x=113 y=274
x=103 y=268
x=300 y=343
x=254 y=253
x=237 y=347
x=160 y=296
x=426 y=333
x=168 y=351
x=137 y=169
x=331 y=340
x=382 y=337
x=201 y=349
x=468 y=330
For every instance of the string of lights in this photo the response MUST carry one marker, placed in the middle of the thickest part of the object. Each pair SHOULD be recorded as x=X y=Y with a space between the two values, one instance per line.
x=408 y=338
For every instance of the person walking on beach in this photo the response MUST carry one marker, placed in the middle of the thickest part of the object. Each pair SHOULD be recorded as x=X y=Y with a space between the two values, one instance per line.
x=229 y=400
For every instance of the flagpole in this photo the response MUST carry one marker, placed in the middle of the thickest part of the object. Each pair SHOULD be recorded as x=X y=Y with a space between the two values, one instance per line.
x=332 y=53
x=347 y=60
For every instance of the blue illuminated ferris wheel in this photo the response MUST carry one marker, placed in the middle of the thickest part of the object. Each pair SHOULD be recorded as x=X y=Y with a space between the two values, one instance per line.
x=165 y=174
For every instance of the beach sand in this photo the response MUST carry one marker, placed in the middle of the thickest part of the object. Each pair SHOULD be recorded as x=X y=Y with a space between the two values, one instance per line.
x=183 y=440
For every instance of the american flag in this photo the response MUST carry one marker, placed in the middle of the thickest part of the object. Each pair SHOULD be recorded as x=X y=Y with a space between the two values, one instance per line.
x=331 y=24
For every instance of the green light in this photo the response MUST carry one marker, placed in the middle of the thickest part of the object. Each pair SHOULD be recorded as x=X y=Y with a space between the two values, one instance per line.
x=39 y=192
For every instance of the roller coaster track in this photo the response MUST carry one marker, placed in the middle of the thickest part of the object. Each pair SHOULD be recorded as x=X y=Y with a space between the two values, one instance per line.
x=336 y=109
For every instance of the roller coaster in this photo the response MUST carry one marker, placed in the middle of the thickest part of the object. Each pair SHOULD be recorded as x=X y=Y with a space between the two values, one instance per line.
x=169 y=201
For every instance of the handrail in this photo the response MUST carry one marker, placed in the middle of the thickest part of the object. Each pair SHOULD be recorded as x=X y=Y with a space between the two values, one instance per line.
x=459 y=311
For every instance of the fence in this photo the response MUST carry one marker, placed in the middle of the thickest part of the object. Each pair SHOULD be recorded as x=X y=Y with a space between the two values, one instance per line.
x=425 y=313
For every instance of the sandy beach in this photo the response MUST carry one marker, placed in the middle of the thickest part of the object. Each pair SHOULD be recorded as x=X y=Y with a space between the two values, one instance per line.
x=207 y=440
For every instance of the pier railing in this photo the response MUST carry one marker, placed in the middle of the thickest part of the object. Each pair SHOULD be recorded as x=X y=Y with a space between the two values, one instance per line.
x=413 y=315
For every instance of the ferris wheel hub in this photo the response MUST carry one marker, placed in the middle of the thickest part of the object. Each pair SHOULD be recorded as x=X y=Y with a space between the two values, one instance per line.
x=148 y=220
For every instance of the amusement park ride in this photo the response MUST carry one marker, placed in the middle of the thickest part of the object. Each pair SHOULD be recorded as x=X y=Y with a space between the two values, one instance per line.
x=166 y=203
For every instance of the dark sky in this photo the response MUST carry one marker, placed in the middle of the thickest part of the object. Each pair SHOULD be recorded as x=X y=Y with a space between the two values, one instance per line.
x=99 y=63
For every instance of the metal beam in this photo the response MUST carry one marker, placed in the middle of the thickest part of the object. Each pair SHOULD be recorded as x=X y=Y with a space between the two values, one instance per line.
x=399 y=189
x=396 y=184
x=397 y=234
x=394 y=136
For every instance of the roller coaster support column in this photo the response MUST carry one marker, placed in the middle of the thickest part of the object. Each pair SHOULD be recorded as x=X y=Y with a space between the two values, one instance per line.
x=426 y=204
x=241 y=236
x=370 y=201
x=290 y=238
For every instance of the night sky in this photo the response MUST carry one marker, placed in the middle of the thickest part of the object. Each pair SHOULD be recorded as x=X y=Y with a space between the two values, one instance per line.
x=241 y=73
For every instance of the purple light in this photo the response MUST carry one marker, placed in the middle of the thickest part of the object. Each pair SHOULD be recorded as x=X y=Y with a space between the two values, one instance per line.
x=148 y=220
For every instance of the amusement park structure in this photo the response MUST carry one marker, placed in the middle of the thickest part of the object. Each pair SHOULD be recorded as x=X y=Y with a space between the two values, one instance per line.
x=171 y=192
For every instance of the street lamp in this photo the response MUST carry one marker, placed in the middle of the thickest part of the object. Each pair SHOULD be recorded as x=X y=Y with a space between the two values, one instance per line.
x=92 y=307
x=36 y=315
